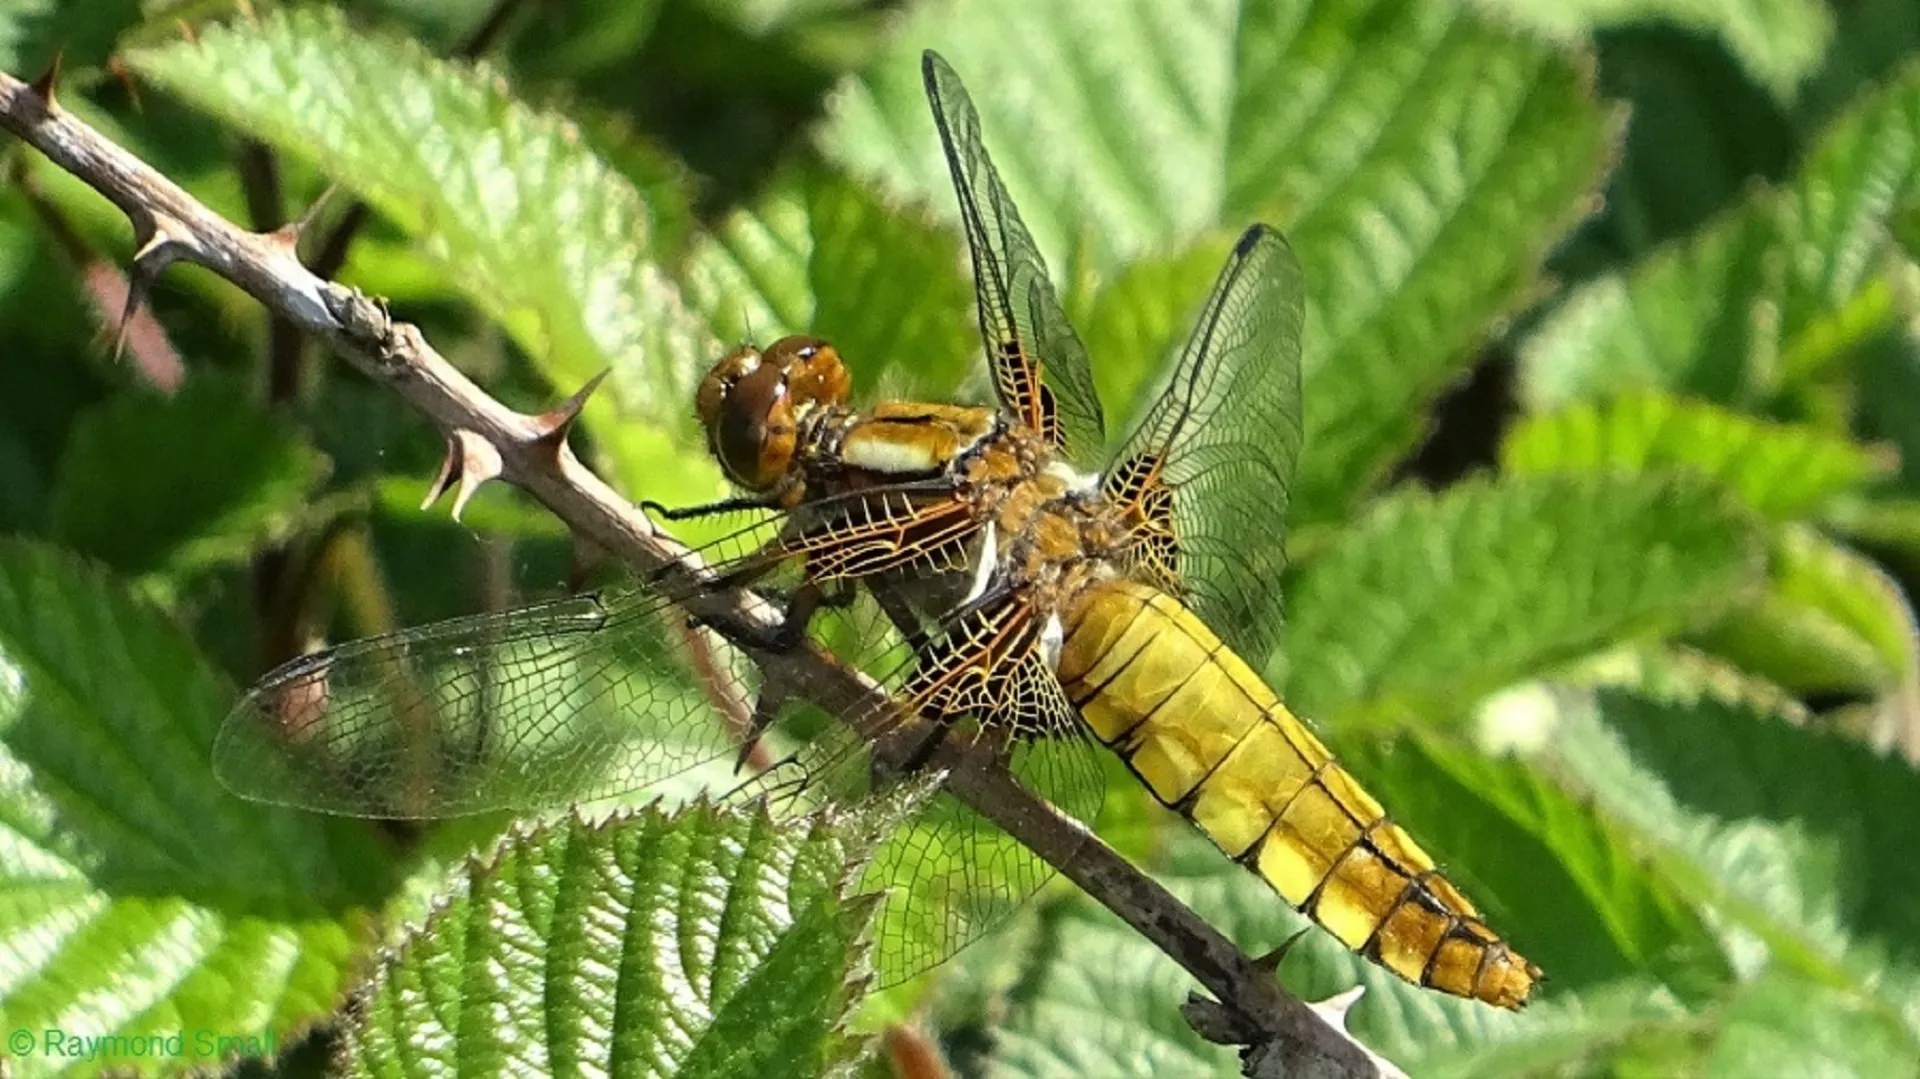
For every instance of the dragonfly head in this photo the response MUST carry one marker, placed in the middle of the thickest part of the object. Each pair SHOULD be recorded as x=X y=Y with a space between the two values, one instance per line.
x=752 y=403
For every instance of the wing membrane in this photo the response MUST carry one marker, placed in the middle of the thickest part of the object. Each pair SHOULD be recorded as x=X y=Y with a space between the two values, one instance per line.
x=586 y=698
x=523 y=710
x=1209 y=470
x=947 y=875
x=1040 y=370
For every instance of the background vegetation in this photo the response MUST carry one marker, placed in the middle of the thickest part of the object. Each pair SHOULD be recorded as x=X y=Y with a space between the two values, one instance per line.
x=1613 y=393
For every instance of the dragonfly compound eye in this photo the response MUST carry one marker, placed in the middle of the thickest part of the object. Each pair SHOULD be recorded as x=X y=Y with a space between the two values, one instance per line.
x=815 y=375
x=750 y=421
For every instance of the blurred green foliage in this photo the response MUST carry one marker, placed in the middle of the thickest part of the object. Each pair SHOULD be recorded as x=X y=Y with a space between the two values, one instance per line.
x=1608 y=516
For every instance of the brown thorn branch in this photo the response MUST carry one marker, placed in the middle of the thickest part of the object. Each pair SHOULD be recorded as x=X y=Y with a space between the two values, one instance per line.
x=1269 y=1024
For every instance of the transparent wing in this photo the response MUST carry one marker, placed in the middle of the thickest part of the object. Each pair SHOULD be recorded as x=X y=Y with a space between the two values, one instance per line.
x=521 y=710
x=952 y=876
x=1040 y=370
x=945 y=874
x=1208 y=472
x=562 y=702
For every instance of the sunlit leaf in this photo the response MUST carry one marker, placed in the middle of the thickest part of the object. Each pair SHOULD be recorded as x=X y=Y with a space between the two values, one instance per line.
x=1789 y=835
x=1431 y=602
x=1780 y=470
x=712 y=942
x=1779 y=41
x=1776 y=289
x=1417 y=226
x=1830 y=621
x=141 y=898
x=546 y=237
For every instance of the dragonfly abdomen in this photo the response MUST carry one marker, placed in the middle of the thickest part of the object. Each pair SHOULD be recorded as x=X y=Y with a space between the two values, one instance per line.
x=1214 y=743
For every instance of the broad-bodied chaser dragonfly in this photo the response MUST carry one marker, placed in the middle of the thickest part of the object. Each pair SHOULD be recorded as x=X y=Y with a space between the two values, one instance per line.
x=1035 y=592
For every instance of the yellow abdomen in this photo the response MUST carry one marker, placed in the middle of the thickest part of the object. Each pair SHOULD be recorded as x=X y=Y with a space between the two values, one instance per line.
x=1212 y=742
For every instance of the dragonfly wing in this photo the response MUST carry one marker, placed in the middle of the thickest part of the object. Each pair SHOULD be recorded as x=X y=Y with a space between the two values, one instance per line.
x=1040 y=370
x=945 y=874
x=523 y=710
x=951 y=875
x=1209 y=469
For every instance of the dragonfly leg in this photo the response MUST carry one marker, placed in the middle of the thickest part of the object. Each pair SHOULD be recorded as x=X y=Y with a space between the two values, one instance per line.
x=790 y=631
x=704 y=509
x=765 y=711
x=901 y=614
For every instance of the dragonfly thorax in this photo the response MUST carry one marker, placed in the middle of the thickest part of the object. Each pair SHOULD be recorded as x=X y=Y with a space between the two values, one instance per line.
x=754 y=403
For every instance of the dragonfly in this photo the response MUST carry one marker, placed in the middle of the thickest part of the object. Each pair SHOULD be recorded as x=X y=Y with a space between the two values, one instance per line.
x=1010 y=581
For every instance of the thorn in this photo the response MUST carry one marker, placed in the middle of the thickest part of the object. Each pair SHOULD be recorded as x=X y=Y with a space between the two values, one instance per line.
x=470 y=462
x=45 y=83
x=140 y=337
x=1270 y=962
x=285 y=239
x=154 y=256
x=308 y=216
x=746 y=753
x=552 y=425
x=1333 y=1010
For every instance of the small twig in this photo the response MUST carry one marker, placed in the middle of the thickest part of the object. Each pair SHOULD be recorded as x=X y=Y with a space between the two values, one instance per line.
x=723 y=694
x=276 y=612
x=532 y=453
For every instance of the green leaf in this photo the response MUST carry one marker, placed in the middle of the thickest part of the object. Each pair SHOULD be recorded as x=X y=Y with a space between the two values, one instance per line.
x=1417 y=226
x=1677 y=671
x=16 y=27
x=151 y=484
x=45 y=382
x=1831 y=621
x=1771 y=293
x=712 y=942
x=1784 y=1025
x=1702 y=133
x=542 y=234
x=1780 y=470
x=1780 y=42
x=141 y=898
x=1562 y=884
x=583 y=38
x=1890 y=527
x=818 y=254
x=1430 y=603
x=1794 y=839
x=1095 y=999
x=1138 y=320
x=34 y=32
x=1873 y=38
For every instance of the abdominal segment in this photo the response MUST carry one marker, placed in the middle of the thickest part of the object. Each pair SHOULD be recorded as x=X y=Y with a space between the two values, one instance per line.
x=1215 y=744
